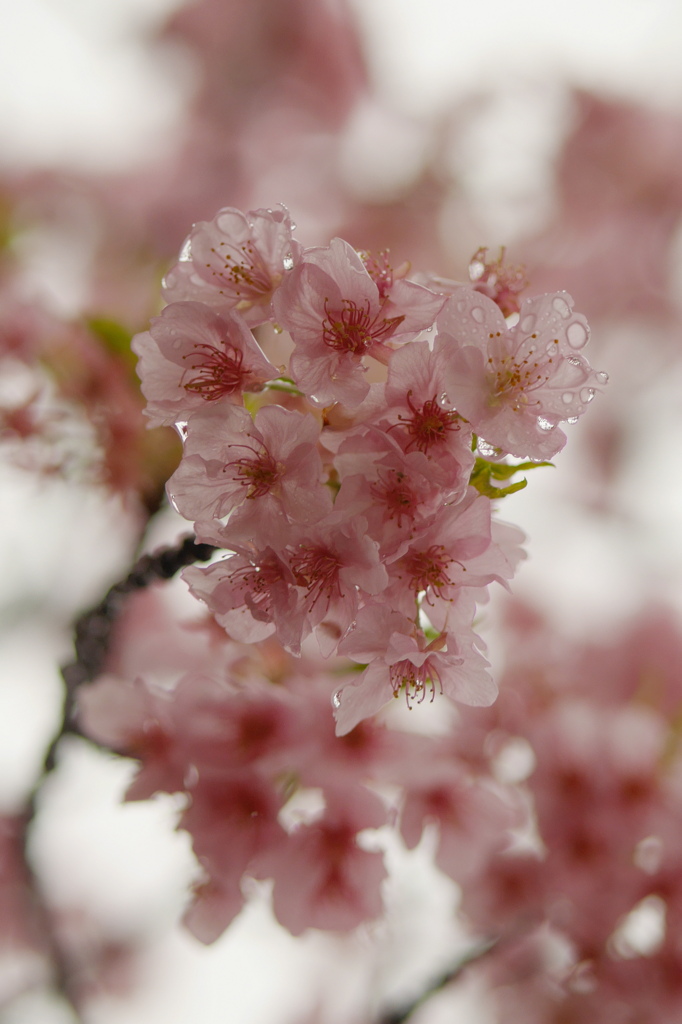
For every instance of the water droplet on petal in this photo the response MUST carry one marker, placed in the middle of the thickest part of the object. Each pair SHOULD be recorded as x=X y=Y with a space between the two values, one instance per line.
x=561 y=306
x=574 y=360
x=602 y=378
x=460 y=307
x=577 y=334
x=486 y=450
x=572 y=419
x=444 y=400
x=336 y=699
x=186 y=251
x=586 y=394
x=545 y=424
x=277 y=329
x=181 y=428
x=567 y=397
x=528 y=322
x=288 y=262
x=477 y=314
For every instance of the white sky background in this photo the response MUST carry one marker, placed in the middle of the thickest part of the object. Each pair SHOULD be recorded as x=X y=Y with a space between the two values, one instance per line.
x=77 y=86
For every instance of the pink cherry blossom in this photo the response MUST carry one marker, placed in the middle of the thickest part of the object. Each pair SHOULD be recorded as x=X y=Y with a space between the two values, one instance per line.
x=454 y=549
x=336 y=316
x=473 y=816
x=252 y=595
x=140 y=722
x=503 y=284
x=323 y=878
x=334 y=563
x=401 y=660
x=266 y=470
x=232 y=817
x=421 y=415
x=193 y=355
x=392 y=489
x=236 y=260
x=515 y=385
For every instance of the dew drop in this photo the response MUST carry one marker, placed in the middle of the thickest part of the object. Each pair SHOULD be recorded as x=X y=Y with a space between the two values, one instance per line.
x=586 y=394
x=577 y=334
x=177 y=343
x=567 y=397
x=429 y=329
x=444 y=400
x=561 y=306
x=476 y=268
x=460 y=307
x=336 y=699
x=528 y=322
x=186 y=251
x=602 y=378
x=486 y=450
x=572 y=419
x=574 y=360
x=545 y=424
x=277 y=329
x=477 y=314
x=288 y=262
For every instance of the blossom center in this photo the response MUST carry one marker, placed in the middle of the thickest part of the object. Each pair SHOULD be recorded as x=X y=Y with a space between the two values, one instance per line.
x=512 y=378
x=351 y=329
x=348 y=330
x=245 y=273
x=414 y=679
x=428 y=424
x=259 y=474
x=428 y=569
x=217 y=372
x=317 y=569
x=256 y=582
x=393 y=490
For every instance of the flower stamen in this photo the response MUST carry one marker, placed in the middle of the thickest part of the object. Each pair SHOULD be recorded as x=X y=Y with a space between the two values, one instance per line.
x=218 y=372
x=259 y=474
x=428 y=424
x=351 y=330
x=414 y=679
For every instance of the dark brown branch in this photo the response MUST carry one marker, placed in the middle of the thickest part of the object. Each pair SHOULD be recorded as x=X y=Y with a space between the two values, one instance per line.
x=92 y=637
x=399 y=1016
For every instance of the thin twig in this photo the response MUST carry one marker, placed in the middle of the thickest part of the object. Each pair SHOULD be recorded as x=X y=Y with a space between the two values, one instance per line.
x=402 y=1014
x=92 y=638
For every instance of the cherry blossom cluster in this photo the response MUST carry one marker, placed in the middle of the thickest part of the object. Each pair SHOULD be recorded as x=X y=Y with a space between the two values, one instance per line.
x=348 y=477
x=589 y=903
x=269 y=793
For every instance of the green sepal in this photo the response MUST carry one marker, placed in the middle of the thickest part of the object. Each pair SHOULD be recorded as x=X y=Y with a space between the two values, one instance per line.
x=484 y=471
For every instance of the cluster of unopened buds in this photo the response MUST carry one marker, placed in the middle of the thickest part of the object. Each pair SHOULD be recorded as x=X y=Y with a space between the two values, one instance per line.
x=351 y=488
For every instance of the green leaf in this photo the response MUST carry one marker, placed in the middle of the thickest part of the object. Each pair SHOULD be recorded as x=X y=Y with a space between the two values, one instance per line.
x=485 y=472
